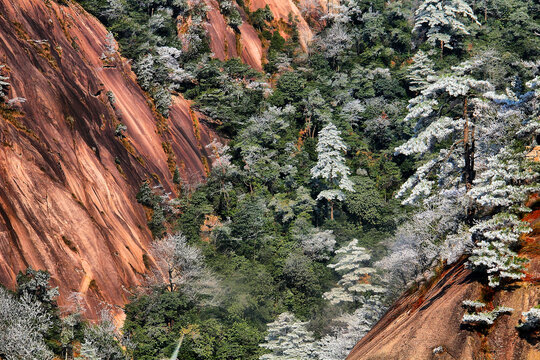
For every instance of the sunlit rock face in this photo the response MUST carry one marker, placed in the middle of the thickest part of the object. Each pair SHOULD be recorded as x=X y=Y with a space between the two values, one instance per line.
x=226 y=44
x=430 y=318
x=246 y=44
x=67 y=183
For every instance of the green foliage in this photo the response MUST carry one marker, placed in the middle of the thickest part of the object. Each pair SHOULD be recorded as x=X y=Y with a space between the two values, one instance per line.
x=256 y=213
x=146 y=195
x=366 y=203
x=176 y=176
x=156 y=223
x=154 y=322
x=196 y=207
x=259 y=17
x=277 y=42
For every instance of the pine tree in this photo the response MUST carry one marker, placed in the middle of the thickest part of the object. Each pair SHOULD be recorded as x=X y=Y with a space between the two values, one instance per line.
x=145 y=68
x=146 y=195
x=288 y=339
x=4 y=84
x=420 y=71
x=114 y=10
x=109 y=55
x=441 y=19
x=102 y=340
x=355 y=275
x=460 y=87
x=474 y=316
x=504 y=186
x=331 y=166
x=177 y=179
x=531 y=321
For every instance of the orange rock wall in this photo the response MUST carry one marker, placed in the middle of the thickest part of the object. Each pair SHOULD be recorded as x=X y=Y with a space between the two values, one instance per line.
x=67 y=184
x=431 y=317
x=281 y=10
x=225 y=44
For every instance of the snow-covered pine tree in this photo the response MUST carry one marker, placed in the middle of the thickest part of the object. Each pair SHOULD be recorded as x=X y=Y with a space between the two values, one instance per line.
x=288 y=339
x=4 y=84
x=420 y=71
x=473 y=316
x=102 y=340
x=460 y=87
x=505 y=185
x=500 y=192
x=24 y=322
x=531 y=320
x=351 y=328
x=113 y=10
x=441 y=17
x=109 y=55
x=331 y=166
x=355 y=275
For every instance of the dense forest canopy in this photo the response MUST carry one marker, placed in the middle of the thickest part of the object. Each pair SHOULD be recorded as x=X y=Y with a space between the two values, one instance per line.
x=396 y=143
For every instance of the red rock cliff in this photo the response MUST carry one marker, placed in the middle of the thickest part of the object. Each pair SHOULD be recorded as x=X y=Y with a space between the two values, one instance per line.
x=67 y=184
x=431 y=317
x=247 y=45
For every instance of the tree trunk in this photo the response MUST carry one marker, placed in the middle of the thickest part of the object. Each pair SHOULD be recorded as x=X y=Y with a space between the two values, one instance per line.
x=469 y=172
x=468 y=142
x=331 y=210
x=171 y=285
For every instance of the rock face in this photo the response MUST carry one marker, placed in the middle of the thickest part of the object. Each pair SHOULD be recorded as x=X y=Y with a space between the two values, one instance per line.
x=246 y=44
x=281 y=10
x=67 y=183
x=226 y=44
x=430 y=318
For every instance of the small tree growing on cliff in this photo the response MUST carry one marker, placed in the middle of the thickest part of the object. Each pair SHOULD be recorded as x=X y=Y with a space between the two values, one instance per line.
x=331 y=166
x=109 y=55
x=3 y=84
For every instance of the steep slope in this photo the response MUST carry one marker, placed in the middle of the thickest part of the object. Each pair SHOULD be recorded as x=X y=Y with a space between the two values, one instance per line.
x=431 y=317
x=247 y=45
x=226 y=44
x=68 y=184
x=281 y=10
